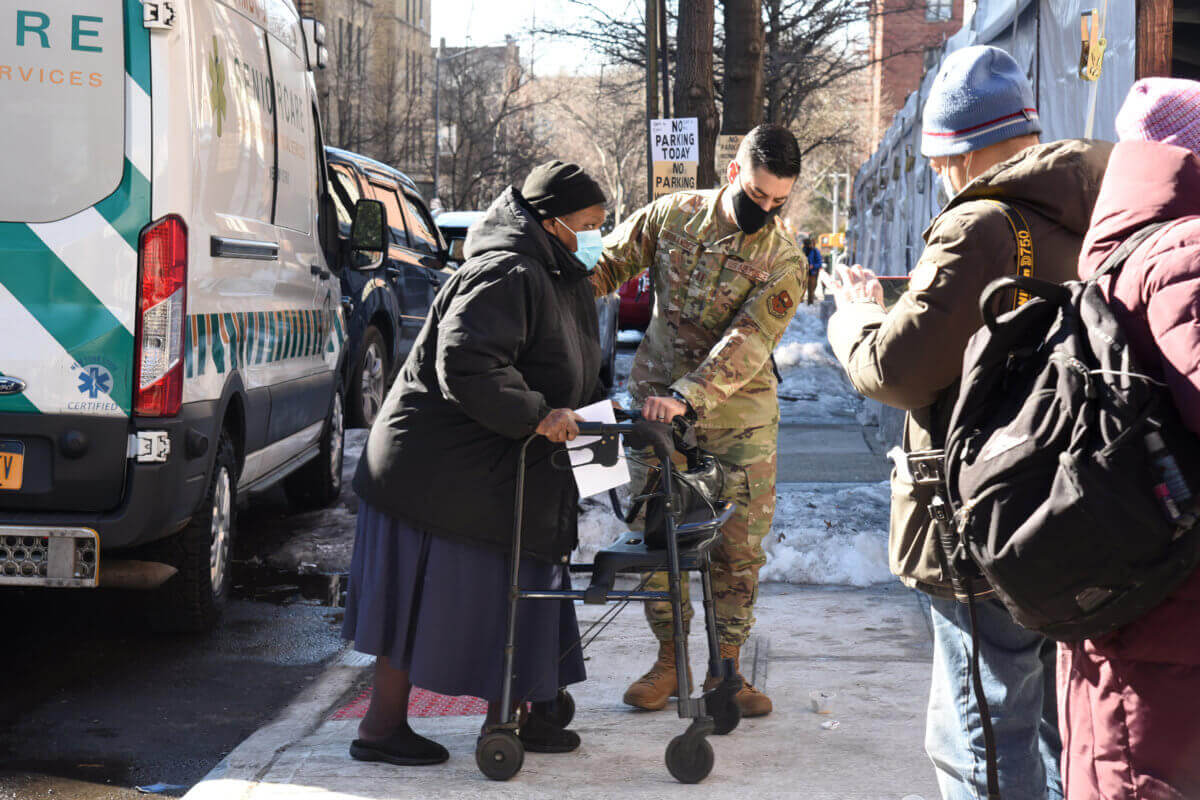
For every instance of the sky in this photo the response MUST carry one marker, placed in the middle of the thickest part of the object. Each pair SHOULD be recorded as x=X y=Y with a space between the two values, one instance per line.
x=485 y=22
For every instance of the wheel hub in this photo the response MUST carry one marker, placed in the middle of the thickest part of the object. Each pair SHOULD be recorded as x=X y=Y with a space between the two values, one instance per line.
x=372 y=381
x=337 y=429
x=222 y=522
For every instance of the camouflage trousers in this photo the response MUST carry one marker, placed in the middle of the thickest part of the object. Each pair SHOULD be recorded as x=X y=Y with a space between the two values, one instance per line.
x=748 y=455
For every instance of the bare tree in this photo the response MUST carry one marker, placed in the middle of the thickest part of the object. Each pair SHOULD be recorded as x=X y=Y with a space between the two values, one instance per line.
x=346 y=85
x=599 y=124
x=806 y=45
x=743 y=85
x=489 y=103
x=694 y=92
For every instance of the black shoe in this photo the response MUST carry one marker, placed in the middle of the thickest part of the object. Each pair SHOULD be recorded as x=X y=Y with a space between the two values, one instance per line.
x=539 y=735
x=404 y=748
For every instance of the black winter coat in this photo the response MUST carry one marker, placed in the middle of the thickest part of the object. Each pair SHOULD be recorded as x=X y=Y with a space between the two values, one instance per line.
x=512 y=335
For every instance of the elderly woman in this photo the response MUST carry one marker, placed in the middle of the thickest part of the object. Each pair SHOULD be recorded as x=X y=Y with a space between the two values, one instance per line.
x=509 y=349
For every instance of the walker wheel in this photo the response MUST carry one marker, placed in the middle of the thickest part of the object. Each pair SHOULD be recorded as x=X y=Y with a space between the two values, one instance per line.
x=721 y=704
x=499 y=755
x=689 y=758
x=561 y=710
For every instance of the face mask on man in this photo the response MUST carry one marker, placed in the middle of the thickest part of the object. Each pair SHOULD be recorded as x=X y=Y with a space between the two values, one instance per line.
x=588 y=246
x=749 y=215
x=948 y=185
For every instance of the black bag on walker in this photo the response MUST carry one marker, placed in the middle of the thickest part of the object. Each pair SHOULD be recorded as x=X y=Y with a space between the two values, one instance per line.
x=697 y=492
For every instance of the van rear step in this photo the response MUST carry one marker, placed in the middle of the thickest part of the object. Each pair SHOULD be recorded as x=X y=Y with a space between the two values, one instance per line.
x=61 y=557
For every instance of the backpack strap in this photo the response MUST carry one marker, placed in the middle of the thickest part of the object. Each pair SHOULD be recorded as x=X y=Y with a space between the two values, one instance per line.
x=1020 y=230
x=1113 y=264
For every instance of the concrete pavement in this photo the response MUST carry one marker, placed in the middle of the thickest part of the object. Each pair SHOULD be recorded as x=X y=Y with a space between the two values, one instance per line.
x=870 y=648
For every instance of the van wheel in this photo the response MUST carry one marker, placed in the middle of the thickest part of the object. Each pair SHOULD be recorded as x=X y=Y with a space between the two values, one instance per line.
x=368 y=380
x=319 y=482
x=191 y=601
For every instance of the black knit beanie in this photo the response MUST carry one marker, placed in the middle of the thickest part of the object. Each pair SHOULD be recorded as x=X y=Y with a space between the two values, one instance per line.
x=556 y=189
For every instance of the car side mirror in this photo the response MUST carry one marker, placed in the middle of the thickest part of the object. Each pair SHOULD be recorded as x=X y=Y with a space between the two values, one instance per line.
x=456 y=250
x=368 y=234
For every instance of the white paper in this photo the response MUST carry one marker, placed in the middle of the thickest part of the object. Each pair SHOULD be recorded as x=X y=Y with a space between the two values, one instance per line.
x=593 y=478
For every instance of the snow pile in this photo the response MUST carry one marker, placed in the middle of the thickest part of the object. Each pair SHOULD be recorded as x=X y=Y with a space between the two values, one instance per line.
x=598 y=527
x=829 y=533
x=814 y=387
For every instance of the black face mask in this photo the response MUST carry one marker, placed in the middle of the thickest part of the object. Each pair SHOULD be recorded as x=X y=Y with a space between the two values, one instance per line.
x=748 y=215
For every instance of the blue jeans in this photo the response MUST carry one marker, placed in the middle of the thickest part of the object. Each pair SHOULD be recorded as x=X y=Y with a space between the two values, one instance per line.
x=1017 y=668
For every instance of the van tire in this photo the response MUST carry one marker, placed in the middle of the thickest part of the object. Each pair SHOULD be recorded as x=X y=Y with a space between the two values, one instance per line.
x=368 y=379
x=319 y=482
x=191 y=601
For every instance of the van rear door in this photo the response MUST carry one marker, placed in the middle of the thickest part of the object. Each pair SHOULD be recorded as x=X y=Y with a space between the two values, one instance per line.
x=75 y=160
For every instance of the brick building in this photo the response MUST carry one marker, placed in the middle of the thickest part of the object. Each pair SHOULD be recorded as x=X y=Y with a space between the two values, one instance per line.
x=376 y=95
x=905 y=38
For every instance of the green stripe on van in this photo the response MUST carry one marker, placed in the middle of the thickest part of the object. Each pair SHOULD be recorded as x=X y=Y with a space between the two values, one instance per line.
x=128 y=208
x=137 y=45
x=66 y=308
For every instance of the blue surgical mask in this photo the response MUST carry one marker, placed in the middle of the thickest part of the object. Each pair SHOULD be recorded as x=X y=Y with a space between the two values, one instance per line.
x=588 y=246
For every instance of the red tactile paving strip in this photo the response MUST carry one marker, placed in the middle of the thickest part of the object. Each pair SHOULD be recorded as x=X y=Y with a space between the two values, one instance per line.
x=421 y=703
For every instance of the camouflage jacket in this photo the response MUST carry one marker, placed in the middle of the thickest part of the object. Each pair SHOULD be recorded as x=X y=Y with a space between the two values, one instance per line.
x=720 y=306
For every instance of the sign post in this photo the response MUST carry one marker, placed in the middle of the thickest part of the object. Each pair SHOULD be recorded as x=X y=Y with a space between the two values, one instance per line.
x=675 y=151
x=726 y=151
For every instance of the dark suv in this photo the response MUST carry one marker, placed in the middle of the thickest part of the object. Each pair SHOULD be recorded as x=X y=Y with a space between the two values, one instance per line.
x=385 y=306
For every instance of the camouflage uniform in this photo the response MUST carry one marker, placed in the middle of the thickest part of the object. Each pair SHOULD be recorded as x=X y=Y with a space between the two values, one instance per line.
x=721 y=304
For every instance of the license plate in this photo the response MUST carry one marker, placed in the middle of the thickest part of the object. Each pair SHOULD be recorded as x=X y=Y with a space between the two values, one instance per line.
x=12 y=465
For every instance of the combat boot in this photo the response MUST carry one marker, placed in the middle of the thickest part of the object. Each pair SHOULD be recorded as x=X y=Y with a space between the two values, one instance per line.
x=652 y=689
x=752 y=702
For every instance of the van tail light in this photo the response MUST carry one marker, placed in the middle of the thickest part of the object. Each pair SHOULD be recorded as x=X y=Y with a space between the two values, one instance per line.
x=162 y=295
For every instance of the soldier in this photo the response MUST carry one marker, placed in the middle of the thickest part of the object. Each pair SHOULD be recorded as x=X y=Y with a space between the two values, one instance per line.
x=726 y=281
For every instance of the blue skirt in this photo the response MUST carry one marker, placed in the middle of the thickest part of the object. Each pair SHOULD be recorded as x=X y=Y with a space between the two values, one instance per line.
x=438 y=607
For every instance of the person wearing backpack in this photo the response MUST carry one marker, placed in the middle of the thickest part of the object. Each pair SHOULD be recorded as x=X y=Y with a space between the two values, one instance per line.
x=1130 y=701
x=980 y=131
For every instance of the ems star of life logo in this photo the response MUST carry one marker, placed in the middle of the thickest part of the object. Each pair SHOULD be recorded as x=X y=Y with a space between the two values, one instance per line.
x=94 y=380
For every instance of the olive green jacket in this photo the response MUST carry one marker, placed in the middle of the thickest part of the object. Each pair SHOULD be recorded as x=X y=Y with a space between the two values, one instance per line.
x=911 y=356
x=721 y=305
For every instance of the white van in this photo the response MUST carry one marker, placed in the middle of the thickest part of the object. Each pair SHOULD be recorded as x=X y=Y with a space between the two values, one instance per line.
x=171 y=336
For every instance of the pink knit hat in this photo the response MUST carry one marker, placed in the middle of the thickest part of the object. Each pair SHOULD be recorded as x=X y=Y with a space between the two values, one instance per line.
x=1162 y=110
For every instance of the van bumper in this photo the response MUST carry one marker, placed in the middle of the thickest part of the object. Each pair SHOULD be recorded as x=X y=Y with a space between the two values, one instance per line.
x=159 y=499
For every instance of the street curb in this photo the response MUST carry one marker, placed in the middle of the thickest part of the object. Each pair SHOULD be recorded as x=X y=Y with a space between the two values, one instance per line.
x=236 y=775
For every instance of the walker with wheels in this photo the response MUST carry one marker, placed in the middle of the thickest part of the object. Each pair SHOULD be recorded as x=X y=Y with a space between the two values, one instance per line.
x=687 y=547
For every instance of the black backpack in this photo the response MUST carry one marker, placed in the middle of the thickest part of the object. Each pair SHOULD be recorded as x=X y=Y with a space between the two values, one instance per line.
x=1069 y=472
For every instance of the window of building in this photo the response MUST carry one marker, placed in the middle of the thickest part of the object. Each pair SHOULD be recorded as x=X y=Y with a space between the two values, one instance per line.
x=939 y=10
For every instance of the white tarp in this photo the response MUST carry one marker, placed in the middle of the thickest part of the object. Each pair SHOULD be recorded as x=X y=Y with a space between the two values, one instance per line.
x=893 y=203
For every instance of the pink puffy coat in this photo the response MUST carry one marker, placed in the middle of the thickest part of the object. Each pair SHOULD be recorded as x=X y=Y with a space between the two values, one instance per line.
x=1129 y=704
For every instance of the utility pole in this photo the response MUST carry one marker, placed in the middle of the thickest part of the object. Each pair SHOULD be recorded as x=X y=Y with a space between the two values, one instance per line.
x=437 y=114
x=837 y=178
x=651 y=88
x=664 y=57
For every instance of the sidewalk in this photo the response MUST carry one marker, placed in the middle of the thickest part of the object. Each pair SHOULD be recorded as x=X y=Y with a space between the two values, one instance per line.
x=870 y=647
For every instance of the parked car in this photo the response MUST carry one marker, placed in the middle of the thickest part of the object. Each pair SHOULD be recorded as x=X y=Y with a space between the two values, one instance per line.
x=454 y=225
x=386 y=305
x=171 y=337
x=635 y=303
